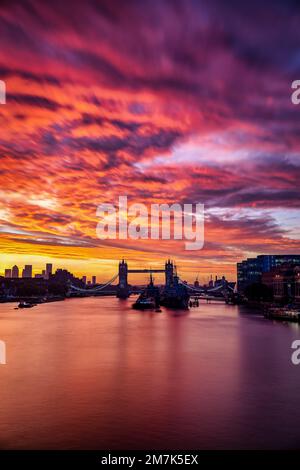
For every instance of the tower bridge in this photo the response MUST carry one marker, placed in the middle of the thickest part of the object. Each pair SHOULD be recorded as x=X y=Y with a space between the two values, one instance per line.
x=123 y=288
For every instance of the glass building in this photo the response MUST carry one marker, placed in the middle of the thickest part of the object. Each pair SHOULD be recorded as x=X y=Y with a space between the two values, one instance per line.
x=250 y=270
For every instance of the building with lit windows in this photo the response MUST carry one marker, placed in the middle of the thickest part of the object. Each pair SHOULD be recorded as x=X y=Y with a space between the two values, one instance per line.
x=250 y=271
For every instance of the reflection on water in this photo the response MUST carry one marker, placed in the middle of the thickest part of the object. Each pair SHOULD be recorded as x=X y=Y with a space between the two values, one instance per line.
x=92 y=373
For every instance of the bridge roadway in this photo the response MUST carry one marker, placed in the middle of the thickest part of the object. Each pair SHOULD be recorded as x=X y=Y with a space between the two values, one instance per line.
x=146 y=270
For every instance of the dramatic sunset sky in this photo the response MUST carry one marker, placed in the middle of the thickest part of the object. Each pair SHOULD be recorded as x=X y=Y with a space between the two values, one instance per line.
x=163 y=101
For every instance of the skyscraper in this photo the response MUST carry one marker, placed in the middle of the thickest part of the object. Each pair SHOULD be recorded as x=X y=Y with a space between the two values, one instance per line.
x=94 y=280
x=7 y=273
x=27 y=271
x=48 y=270
x=15 y=271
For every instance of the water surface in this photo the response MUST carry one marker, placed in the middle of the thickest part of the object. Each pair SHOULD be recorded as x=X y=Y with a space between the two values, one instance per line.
x=94 y=374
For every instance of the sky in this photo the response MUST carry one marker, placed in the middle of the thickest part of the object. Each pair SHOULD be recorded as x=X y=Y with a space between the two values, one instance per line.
x=162 y=101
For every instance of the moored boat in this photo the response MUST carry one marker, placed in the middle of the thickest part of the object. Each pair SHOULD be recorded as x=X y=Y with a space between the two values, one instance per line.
x=149 y=299
x=25 y=304
x=175 y=295
x=144 y=303
x=283 y=314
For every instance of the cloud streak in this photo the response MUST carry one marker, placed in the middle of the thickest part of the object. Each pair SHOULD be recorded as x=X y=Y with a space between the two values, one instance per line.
x=164 y=101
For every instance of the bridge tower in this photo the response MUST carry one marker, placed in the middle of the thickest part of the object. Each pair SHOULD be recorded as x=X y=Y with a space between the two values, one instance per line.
x=169 y=272
x=123 y=289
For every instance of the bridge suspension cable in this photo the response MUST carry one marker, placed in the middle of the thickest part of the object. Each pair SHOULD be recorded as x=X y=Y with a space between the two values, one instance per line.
x=95 y=289
x=199 y=291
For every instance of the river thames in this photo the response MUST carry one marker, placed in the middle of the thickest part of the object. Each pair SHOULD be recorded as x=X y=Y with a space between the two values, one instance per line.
x=92 y=373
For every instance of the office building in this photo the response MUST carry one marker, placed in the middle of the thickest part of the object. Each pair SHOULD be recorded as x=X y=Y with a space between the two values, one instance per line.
x=284 y=282
x=250 y=271
x=27 y=271
x=15 y=272
x=48 y=270
x=94 y=280
x=7 y=273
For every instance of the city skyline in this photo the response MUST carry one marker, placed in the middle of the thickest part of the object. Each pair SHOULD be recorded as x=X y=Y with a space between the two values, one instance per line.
x=17 y=272
x=93 y=112
x=30 y=271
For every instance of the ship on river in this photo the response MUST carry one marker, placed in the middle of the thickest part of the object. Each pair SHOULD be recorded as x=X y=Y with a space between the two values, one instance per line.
x=175 y=294
x=287 y=313
x=149 y=298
